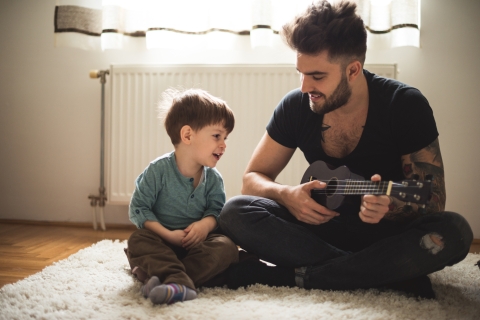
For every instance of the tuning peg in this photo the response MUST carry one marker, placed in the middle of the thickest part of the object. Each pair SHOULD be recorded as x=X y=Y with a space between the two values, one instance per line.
x=429 y=177
x=415 y=177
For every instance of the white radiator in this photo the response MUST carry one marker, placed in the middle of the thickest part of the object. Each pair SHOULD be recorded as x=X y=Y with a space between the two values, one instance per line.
x=135 y=136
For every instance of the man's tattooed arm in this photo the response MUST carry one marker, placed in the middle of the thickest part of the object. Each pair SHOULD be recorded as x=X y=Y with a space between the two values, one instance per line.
x=423 y=162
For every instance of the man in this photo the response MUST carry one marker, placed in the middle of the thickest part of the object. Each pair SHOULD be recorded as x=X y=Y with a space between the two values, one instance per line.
x=344 y=115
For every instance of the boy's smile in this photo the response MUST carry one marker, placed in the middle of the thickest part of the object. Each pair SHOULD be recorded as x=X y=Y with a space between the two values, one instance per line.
x=217 y=155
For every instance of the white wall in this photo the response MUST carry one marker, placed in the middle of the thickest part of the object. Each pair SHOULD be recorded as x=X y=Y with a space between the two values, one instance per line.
x=50 y=109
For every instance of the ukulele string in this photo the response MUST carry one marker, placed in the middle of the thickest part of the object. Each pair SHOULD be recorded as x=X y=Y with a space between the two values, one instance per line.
x=360 y=186
x=370 y=188
x=352 y=182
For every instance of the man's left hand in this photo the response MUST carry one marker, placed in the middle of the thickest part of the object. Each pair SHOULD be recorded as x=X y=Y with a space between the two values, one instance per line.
x=373 y=208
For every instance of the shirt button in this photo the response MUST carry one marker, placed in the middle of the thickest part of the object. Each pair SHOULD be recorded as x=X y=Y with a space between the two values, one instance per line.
x=192 y=196
x=137 y=211
x=191 y=179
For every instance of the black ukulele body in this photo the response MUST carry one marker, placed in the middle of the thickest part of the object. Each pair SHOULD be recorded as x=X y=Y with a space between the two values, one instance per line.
x=335 y=178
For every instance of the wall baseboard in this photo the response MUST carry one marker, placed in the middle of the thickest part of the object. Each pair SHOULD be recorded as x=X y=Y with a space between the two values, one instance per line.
x=66 y=224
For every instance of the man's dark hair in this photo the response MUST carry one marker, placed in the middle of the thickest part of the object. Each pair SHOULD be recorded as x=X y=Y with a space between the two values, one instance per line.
x=335 y=28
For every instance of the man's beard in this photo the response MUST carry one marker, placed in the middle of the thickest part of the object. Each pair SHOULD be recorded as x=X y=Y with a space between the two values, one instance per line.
x=339 y=97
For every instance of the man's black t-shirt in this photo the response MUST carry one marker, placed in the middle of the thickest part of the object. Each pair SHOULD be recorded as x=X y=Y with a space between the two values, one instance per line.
x=399 y=121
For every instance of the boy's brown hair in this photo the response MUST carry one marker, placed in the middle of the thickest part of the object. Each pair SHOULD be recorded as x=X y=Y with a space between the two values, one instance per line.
x=195 y=108
x=323 y=26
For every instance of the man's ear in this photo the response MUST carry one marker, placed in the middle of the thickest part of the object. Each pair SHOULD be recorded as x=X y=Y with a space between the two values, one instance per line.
x=186 y=134
x=354 y=69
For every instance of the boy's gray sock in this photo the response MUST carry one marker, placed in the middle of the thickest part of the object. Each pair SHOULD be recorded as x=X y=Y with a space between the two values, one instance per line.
x=170 y=293
x=151 y=283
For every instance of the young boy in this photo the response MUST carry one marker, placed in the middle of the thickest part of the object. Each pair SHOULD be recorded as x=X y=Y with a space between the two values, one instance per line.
x=178 y=198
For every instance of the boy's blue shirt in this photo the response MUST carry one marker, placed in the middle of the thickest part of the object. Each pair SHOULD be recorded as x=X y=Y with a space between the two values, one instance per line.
x=163 y=194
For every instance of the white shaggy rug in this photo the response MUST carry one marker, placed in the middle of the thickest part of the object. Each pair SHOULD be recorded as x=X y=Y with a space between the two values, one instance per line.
x=96 y=284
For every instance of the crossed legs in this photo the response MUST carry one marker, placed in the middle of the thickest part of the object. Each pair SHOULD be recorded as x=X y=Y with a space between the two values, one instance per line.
x=174 y=265
x=345 y=254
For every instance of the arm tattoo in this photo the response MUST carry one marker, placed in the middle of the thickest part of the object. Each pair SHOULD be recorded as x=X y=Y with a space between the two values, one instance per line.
x=434 y=149
x=437 y=201
x=424 y=162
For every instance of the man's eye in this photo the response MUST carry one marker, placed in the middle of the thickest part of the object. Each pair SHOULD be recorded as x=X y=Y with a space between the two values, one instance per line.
x=317 y=78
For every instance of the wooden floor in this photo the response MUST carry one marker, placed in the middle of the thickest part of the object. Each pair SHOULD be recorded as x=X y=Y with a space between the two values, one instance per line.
x=27 y=249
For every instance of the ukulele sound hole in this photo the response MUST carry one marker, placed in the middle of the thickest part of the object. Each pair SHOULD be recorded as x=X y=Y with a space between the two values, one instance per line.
x=331 y=187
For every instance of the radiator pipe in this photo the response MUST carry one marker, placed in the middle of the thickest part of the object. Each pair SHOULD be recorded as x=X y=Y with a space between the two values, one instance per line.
x=99 y=201
x=94 y=214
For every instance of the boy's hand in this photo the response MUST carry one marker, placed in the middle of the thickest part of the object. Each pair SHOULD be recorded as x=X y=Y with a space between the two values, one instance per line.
x=176 y=237
x=195 y=233
x=198 y=231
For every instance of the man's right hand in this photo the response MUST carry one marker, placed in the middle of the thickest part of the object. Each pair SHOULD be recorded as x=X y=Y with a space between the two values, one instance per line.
x=298 y=201
x=268 y=160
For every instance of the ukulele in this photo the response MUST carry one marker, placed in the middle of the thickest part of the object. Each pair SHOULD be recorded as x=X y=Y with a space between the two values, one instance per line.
x=344 y=188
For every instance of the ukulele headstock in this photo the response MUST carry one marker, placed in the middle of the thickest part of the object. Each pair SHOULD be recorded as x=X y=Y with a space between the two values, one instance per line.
x=413 y=190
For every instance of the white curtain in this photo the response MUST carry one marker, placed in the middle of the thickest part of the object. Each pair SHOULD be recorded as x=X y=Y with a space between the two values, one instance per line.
x=122 y=24
x=391 y=23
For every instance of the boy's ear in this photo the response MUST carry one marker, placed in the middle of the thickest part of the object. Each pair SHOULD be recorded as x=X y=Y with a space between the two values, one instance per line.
x=186 y=134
